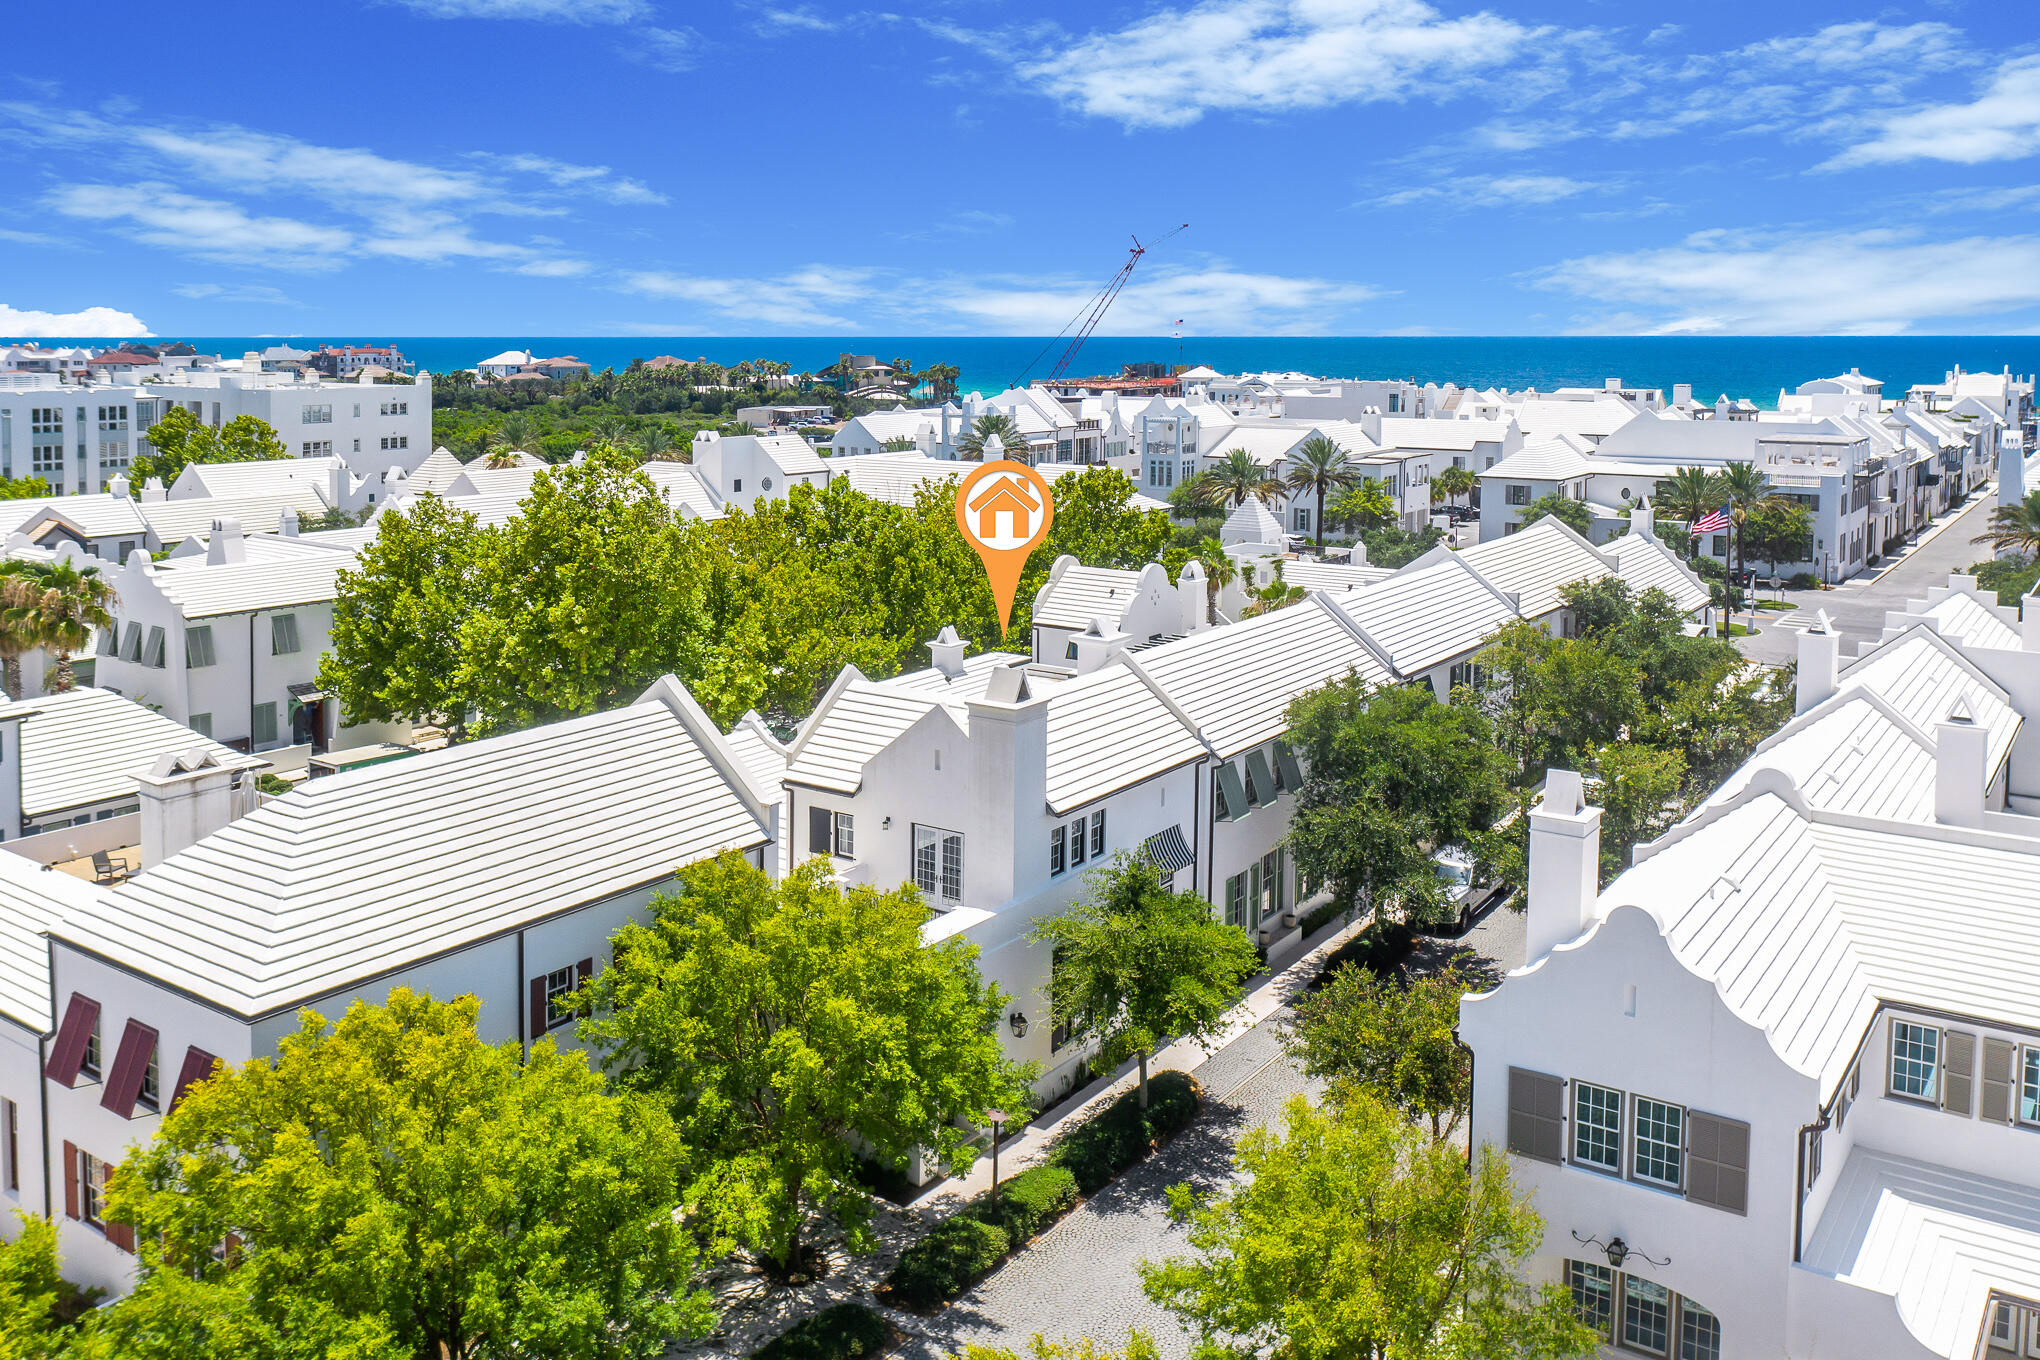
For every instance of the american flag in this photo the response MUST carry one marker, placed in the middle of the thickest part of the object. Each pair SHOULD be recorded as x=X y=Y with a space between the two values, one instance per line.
x=1712 y=524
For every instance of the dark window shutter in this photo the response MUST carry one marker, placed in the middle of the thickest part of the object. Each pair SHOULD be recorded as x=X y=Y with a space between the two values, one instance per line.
x=819 y=825
x=130 y=1065
x=1999 y=1056
x=584 y=970
x=535 y=1020
x=1536 y=1115
x=70 y=1180
x=1958 y=1071
x=68 y=1053
x=122 y=1235
x=1717 y=1162
x=198 y=1065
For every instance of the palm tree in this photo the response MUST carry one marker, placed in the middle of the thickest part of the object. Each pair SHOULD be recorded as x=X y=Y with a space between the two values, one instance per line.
x=941 y=379
x=1227 y=483
x=1453 y=482
x=17 y=631
x=517 y=431
x=972 y=445
x=1690 y=494
x=903 y=369
x=1219 y=570
x=1747 y=489
x=1321 y=467
x=64 y=605
x=1367 y=506
x=2014 y=528
x=655 y=442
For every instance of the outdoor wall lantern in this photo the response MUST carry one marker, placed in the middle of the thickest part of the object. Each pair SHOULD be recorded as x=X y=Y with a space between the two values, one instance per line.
x=1018 y=1020
x=1618 y=1251
x=885 y=825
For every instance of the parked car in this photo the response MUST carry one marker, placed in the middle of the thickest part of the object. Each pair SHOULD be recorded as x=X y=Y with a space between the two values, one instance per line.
x=1469 y=896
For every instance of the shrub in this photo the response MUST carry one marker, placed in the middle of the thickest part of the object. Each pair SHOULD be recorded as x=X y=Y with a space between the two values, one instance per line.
x=947 y=1261
x=1029 y=1202
x=849 y=1331
x=1321 y=917
x=1805 y=580
x=1108 y=1143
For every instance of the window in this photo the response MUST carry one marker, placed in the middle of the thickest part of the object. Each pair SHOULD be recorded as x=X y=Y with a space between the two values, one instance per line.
x=1915 y=1058
x=91 y=1189
x=113 y=453
x=1597 y=1127
x=1060 y=1035
x=938 y=863
x=1058 y=850
x=1659 y=1144
x=1098 y=833
x=47 y=458
x=403 y=441
x=150 y=1094
x=846 y=836
x=1719 y=546
x=1078 y=842
x=198 y=646
x=46 y=420
x=10 y=1128
x=1593 y=1293
x=1517 y=494
x=1646 y=1315
x=283 y=637
x=317 y=415
x=264 y=723
x=317 y=448
x=201 y=723
x=1699 y=1333
x=1236 y=901
x=154 y=654
x=1253 y=791
x=88 y=1066
x=1300 y=520
x=2029 y=1086
x=1275 y=899
x=396 y=408
x=1070 y=653
x=559 y=984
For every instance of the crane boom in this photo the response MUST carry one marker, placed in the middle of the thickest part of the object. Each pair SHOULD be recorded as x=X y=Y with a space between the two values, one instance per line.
x=1095 y=310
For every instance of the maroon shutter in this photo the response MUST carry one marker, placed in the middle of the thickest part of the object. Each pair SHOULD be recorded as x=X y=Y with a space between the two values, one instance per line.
x=67 y=1055
x=198 y=1065
x=130 y=1065
x=536 y=1021
x=122 y=1235
x=70 y=1180
x=584 y=970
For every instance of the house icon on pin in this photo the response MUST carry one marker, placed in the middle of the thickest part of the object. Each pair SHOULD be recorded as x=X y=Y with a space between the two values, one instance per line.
x=1009 y=495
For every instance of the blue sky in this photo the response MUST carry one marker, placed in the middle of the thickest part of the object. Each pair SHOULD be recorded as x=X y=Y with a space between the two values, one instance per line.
x=480 y=167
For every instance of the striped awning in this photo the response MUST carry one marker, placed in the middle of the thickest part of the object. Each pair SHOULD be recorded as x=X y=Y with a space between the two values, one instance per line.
x=1168 y=850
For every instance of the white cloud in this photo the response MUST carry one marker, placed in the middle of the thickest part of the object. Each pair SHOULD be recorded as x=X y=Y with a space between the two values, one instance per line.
x=595 y=180
x=157 y=215
x=1803 y=283
x=2003 y=123
x=1488 y=191
x=237 y=292
x=1273 y=56
x=543 y=11
x=96 y=323
x=802 y=300
x=671 y=50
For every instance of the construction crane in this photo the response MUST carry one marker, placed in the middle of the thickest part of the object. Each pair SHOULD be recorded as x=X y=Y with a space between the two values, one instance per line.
x=1094 y=311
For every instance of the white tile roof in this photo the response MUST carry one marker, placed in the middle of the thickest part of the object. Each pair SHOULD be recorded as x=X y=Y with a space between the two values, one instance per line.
x=487 y=481
x=862 y=719
x=357 y=875
x=1542 y=460
x=762 y=755
x=1080 y=594
x=1459 y=436
x=1534 y=564
x=202 y=591
x=1647 y=564
x=1235 y=682
x=96 y=516
x=1921 y=675
x=684 y=487
x=794 y=454
x=1423 y=616
x=267 y=477
x=32 y=899
x=175 y=521
x=1252 y=522
x=895 y=477
x=1937 y=1240
x=1107 y=731
x=1332 y=576
x=1542 y=419
x=1851 y=753
x=87 y=745
x=1967 y=619
x=439 y=471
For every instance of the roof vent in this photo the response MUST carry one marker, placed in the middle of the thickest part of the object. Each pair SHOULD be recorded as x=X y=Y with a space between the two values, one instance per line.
x=1958 y=712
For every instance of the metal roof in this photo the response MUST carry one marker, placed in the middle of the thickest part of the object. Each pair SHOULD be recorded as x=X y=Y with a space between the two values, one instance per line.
x=1645 y=563
x=1536 y=563
x=1967 y=619
x=1078 y=594
x=1851 y=753
x=357 y=875
x=1108 y=731
x=1424 y=616
x=175 y=521
x=1332 y=576
x=199 y=590
x=95 y=516
x=86 y=746
x=1921 y=675
x=33 y=899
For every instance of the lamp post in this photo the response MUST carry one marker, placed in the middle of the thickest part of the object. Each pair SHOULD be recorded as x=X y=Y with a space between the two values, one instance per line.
x=995 y=1118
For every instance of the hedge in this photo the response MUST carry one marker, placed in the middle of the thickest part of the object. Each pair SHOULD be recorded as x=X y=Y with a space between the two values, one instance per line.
x=849 y=1331
x=1102 y=1147
x=960 y=1251
x=1028 y=1203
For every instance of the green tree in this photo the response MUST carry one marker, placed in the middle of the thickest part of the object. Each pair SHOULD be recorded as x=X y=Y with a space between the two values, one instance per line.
x=1573 y=514
x=1391 y=775
x=1453 y=482
x=1391 y=1039
x=1690 y=494
x=393 y=1186
x=1551 y=698
x=1137 y=965
x=1321 y=468
x=56 y=606
x=2014 y=528
x=1778 y=531
x=1639 y=796
x=1012 y=443
x=1220 y=570
x=37 y=1305
x=1749 y=492
x=398 y=614
x=180 y=439
x=23 y=488
x=1139 y=1346
x=785 y=1022
x=1233 y=479
x=1354 y=1236
x=1366 y=506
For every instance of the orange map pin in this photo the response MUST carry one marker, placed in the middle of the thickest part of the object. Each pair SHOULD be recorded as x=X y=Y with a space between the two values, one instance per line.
x=1004 y=510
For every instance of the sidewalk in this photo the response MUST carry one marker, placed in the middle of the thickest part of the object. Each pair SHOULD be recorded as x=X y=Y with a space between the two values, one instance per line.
x=1267 y=993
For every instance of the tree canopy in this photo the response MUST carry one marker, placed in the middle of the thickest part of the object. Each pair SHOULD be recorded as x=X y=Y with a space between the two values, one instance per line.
x=395 y=1187
x=181 y=438
x=1137 y=965
x=1391 y=1039
x=784 y=1022
x=1573 y=514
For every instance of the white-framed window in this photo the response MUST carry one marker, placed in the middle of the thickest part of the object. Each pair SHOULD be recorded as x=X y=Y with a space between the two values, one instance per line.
x=1699 y=1332
x=317 y=415
x=88 y=1066
x=1058 y=850
x=316 y=448
x=1597 y=1127
x=151 y=1092
x=1098 y=833
x=397 y=441
x=47 y=458
x=155 y=653
x=1273 y=899
x=1646 y=1316
x=1641 y=1316
x=1915 y=1060
x=1658 y=1144
x=396 y=408
x=1237 y=889
x=844 y=841
x=1079 y=843
x=2029 y=1086
x=92 y=1189
x=263 y=723
x=1300 y=519
x=201 y=723
x=938 y=863
x=1593 y=1294
x=198 y=646
x=113 y=453
x=283 y=634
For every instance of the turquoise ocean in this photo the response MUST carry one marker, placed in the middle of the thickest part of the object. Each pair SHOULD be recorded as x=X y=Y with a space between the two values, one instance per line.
x=1753 y=367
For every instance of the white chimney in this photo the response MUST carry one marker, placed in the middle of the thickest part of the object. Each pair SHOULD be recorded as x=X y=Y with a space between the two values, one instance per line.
x=1098 y=644
x=226 y=545
x=1643 y=519
x=1190 y=594
x=1820 y=662
x=1565 y=864
x=1961 y=748
x=287 y=523
x=186 y=798
x=946 y=652
x=1370 y=423
x=152 y=490
x=117 y=485
x=2029 y=621
x=1682 y=394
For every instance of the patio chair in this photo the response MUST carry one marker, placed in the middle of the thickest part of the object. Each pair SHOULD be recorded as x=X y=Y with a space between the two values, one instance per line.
x=107 y=869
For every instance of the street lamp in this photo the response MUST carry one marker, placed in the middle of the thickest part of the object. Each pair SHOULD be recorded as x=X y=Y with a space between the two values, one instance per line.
x=1018 y=1020
x=995 y=1118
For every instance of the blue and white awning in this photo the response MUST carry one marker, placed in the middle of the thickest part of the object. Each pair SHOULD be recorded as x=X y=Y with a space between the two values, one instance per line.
x=1168 y=850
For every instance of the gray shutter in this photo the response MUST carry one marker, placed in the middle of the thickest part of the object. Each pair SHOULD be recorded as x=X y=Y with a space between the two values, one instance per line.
x=818 y=827
x=1717 y=1161
x=1537 y=1115
x=1958 y=1071
x=1264 y=778
x=1999 y=1055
